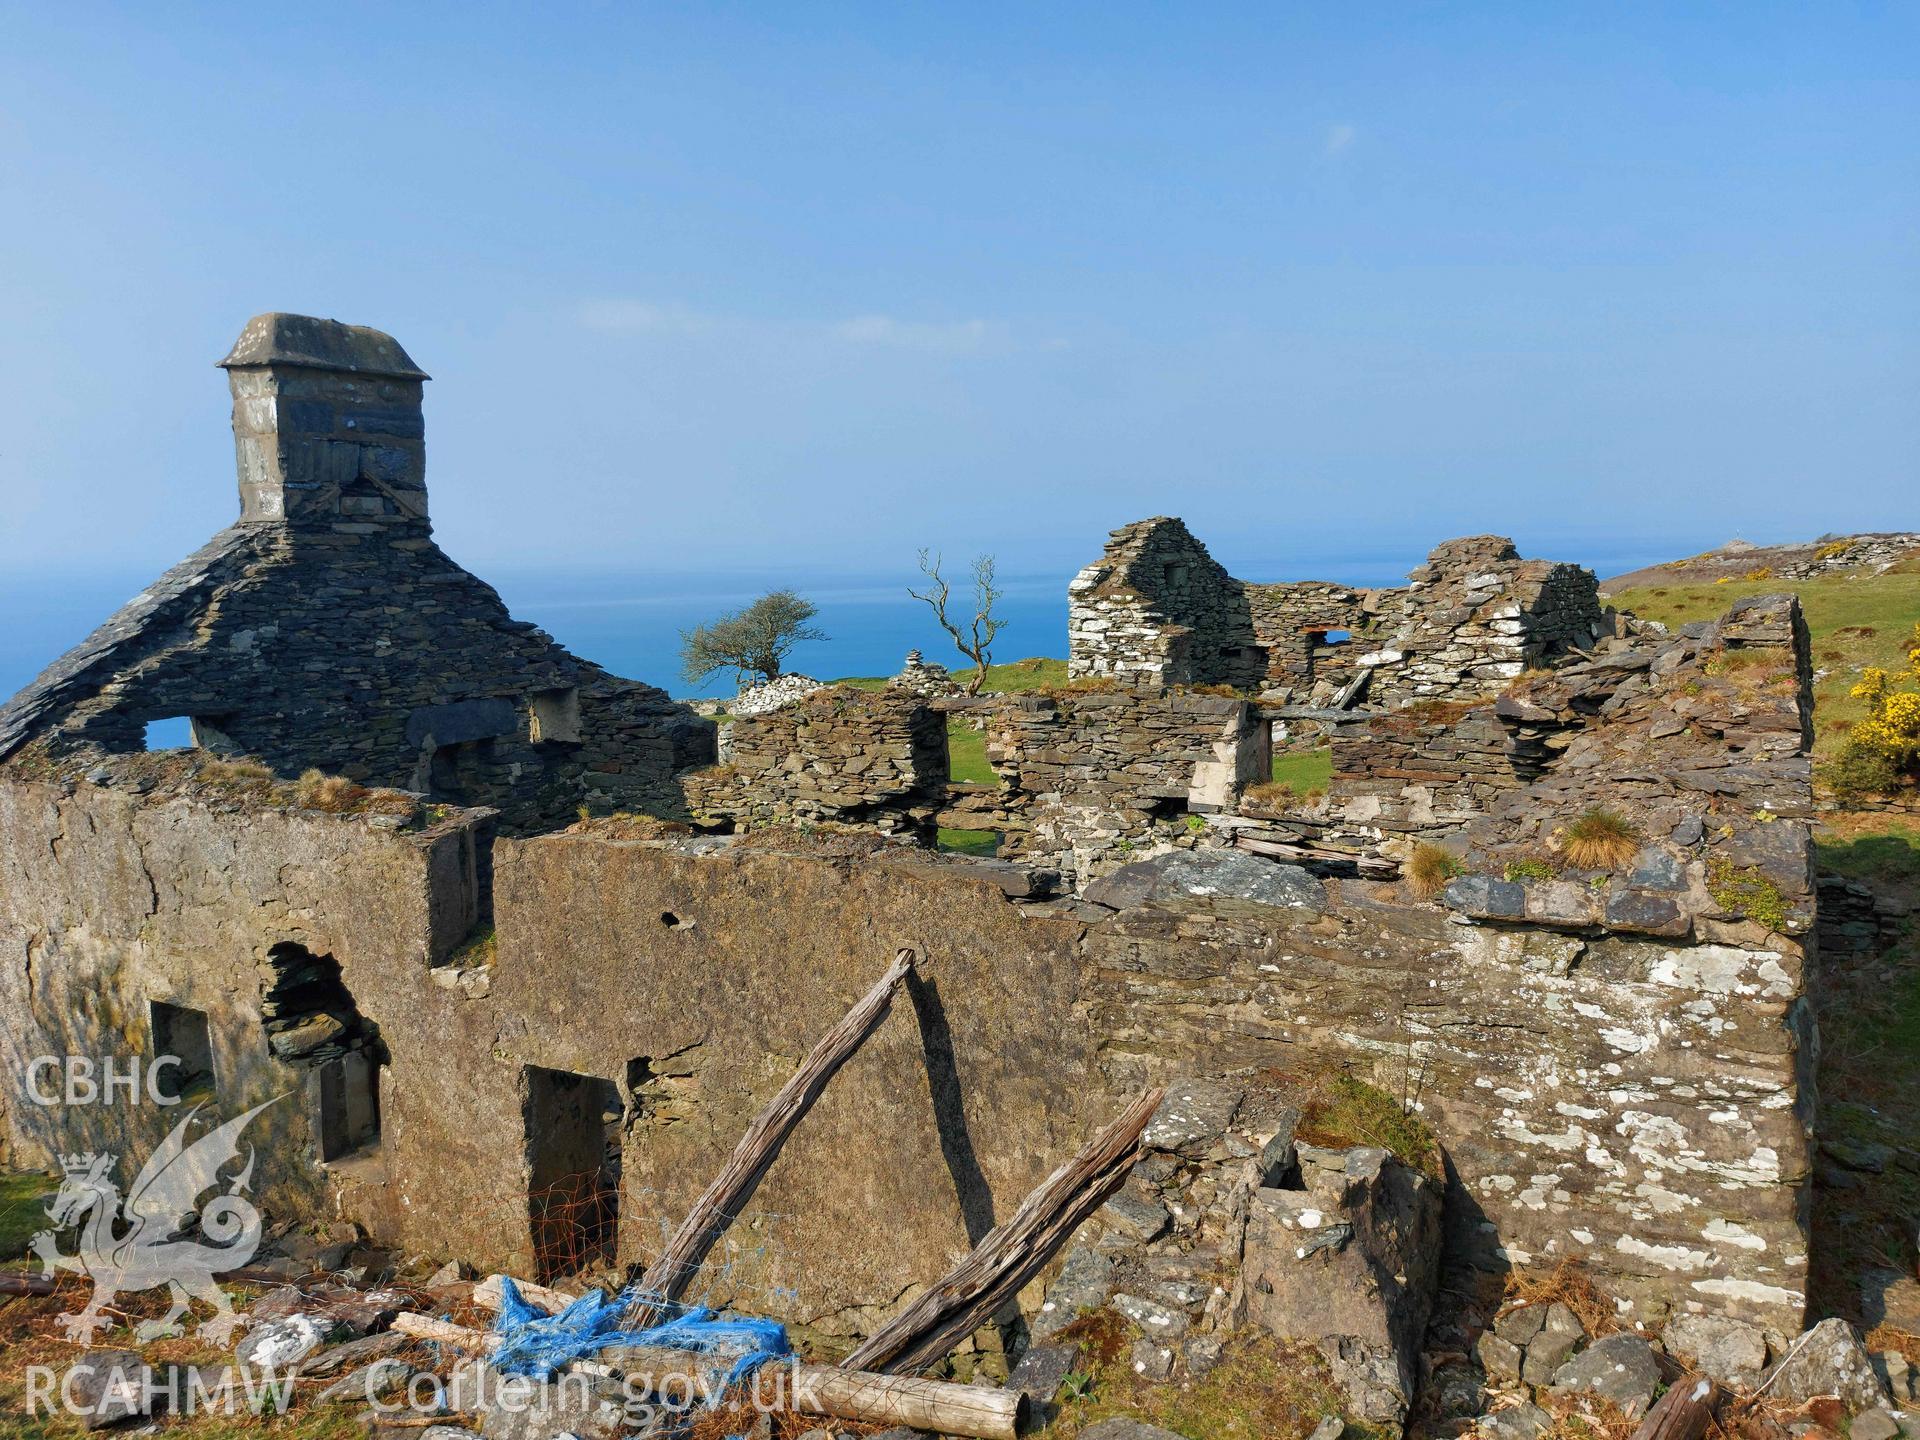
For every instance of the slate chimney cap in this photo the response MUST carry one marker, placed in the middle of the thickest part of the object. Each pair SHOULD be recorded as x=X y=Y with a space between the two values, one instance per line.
x=304 y=340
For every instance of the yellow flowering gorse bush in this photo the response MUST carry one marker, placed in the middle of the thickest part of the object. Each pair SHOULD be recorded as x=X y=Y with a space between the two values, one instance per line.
x=1884 y=748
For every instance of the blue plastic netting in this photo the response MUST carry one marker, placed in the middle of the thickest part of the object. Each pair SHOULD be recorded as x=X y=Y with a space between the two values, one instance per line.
x=537 y=1344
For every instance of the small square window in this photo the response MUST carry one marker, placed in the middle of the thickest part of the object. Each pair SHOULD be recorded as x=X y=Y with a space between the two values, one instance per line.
x=173 y=733
x=556 y=717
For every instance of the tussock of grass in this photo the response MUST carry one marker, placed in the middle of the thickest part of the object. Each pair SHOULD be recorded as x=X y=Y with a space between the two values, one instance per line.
x=1570 y=1284
x=337 y=795
x=481 y=947
x=233 y=772
x=1345 y=1110
x=1430 y=869
x=626 y=825
x=1601 y=840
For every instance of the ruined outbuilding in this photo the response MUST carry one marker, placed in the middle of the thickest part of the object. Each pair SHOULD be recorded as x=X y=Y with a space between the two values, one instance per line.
x=530 y=1046
x=1156 y=609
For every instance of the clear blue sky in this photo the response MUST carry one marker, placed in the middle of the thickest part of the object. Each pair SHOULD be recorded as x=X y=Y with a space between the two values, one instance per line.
x=745 y=286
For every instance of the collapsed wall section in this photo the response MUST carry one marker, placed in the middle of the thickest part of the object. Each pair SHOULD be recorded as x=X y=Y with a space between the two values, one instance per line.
x=1092 y=775
x=840 y=755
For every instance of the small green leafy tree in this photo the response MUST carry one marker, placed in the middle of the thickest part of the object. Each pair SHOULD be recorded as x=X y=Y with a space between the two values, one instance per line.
x=976 y=640
x=753 y=641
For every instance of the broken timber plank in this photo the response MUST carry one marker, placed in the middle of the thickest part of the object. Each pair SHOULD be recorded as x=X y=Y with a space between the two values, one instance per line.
x=1376 y=866
x=1010 y=1254
x=1683 y=1413
x=976 y=1411
x=714 y=1211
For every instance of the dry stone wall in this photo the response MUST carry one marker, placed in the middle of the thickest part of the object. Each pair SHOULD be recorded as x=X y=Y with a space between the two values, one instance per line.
x=840 y=755
x=1293 y=621
x=1156 y=610
x=1474 y=617
x=1429 y=768
x=1097 y=777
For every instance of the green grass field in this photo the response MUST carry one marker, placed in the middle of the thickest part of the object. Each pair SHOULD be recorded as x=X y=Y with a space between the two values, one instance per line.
x=1302 y=771
x=1854 y=620
x=967 y=754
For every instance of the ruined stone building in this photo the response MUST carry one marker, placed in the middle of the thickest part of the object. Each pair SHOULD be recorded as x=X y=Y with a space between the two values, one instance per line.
x=1156 y=609
x=474 y=1014
x=325 y=629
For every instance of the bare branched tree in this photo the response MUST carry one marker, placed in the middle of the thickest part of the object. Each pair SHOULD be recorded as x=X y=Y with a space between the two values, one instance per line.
x=976 y=641
x=753 y=641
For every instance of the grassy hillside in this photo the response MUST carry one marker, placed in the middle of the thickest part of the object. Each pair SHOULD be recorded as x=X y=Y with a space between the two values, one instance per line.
x=1033 y=673
x=1855 y=620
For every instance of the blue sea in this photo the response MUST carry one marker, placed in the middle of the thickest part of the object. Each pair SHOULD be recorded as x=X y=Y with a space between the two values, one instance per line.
x=631 y=623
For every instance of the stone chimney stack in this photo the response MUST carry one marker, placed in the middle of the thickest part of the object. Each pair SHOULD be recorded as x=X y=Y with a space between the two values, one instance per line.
x=327 y=430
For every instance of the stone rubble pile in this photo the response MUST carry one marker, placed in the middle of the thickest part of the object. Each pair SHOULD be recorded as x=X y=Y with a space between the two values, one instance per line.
x=770 y=695
x=917 y=677
x=1229 y=1226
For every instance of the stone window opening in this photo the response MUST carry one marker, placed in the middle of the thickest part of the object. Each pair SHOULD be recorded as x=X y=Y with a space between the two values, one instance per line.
x=173 y=732
x=184 y=1035
x=190 y=732
x=1336 y=637
x=556 y=717
x=575 y=1129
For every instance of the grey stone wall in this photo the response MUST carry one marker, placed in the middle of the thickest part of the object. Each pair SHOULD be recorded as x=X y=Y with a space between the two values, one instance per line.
x=1156 y=609
x=141 y=889
x=1474 y=617
x=1099 y=778
x=842 y=755
x=1610 y=1084
x=1293 y=621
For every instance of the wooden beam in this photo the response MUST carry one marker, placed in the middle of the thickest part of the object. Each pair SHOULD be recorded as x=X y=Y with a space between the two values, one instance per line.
x=976 y=1411
x=1010 y=1254
x=1683 y=1413
x=668 y=1276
